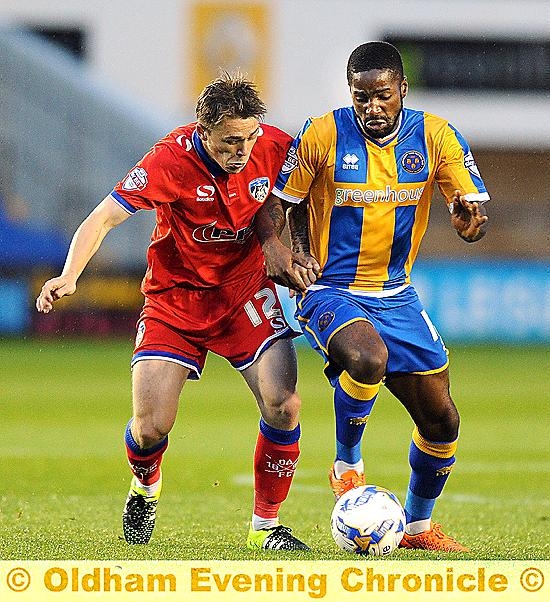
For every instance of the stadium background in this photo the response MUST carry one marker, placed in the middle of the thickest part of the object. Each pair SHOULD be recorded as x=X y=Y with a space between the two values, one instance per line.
x=73 y=122
x=87 y=87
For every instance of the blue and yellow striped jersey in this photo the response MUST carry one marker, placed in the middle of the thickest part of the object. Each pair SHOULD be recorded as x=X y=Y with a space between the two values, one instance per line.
x=369 y=200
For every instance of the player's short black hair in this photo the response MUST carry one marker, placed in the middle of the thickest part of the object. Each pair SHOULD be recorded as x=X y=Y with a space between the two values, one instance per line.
x=229 y=95
x=375 y=55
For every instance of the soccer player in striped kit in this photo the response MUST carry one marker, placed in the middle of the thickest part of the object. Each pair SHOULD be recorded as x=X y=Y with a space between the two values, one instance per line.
x=205 y=290
x=361 y=180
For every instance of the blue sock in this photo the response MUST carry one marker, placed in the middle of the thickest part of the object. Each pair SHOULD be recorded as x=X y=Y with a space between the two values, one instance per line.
x=278 y=435
x=431 y=463
x=353 y=402
x=136 y=449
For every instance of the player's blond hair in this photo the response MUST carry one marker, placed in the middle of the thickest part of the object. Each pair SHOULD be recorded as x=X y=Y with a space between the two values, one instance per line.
x=231 y=96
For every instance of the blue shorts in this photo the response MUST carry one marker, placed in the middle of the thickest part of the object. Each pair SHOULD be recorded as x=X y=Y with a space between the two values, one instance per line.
x=413 y=343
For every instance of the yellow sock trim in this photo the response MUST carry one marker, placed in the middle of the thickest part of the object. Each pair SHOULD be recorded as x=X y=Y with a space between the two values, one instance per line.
x=356 y=389
x=438 y=450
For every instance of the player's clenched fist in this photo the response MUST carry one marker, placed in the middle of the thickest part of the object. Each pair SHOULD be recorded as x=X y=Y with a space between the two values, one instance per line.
x=53 y=290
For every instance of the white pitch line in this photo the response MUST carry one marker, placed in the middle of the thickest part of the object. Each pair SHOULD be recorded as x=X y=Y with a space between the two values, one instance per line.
x=246 y=480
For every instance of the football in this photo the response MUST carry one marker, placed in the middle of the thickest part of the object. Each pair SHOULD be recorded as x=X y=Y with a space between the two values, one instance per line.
x=368 y=520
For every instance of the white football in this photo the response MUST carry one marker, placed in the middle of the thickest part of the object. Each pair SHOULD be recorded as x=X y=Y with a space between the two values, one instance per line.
x=368 y=520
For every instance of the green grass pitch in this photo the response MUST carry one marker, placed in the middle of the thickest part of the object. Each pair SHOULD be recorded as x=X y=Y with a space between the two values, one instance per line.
x=64 y=404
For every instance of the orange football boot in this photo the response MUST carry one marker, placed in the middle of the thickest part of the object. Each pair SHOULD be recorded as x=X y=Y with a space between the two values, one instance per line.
x=349 y=480
x=434 y=540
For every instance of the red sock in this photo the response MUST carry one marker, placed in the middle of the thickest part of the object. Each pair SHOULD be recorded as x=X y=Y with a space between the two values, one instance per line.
x=274 y=466
x=146 y=469
x=144 y=463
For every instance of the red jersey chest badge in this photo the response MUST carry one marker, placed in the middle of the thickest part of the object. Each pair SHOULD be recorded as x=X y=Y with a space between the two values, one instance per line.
x=259 y=188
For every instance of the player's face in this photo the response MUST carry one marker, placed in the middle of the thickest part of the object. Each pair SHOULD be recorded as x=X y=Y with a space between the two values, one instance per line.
x=230 y=142
x=377 y=97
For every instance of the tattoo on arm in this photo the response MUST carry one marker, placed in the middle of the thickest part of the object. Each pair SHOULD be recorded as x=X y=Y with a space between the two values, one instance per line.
x=277 y=216
x=270 y=220
x=299 y=233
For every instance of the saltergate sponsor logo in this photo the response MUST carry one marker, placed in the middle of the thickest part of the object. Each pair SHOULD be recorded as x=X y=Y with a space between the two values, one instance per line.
x=209 y=233
x=386 y=195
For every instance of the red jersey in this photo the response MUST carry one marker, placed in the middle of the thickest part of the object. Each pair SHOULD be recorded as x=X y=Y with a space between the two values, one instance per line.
x=204 y=234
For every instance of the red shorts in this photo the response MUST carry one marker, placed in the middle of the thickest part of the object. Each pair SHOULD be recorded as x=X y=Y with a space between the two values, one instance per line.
x=238 y=322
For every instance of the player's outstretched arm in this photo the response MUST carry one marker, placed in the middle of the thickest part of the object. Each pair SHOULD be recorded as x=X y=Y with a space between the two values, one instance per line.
x=282 y=265
x=85 y=243
x=468 y=219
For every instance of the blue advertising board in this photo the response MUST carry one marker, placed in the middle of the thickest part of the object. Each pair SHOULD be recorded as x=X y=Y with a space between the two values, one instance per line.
x=481 y=301
x=14 y=306
x=487 y=301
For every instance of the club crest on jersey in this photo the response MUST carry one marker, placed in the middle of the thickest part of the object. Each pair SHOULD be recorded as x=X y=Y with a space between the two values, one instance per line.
x=291 y=161
x=325 y=320
x=470 y=164
x=413 y=161
x=136 y=179
x=259 y=188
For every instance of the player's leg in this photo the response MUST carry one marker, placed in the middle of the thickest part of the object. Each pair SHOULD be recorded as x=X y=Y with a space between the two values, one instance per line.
x=361 y=354
x=431 y=454
x=156 y=386
x=272 y=379
x=417 y=375
x=339 y=327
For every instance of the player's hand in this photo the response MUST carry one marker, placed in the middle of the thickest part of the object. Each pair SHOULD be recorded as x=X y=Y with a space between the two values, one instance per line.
x=467 y=218
x=53 y=290
x=306 y=270
x=293 y=270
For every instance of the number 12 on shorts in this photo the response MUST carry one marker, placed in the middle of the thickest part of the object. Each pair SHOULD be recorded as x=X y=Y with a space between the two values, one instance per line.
x=270 y=312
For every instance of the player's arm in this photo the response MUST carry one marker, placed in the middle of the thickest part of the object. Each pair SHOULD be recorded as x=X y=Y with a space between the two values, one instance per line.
x=294 y=270
x=461 y=184
x=297 y=224
x=299 y=240
x=469 y=219
x=85 y=242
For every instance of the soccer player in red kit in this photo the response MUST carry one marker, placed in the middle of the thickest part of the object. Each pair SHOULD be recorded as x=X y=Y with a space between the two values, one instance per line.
x=205 y=290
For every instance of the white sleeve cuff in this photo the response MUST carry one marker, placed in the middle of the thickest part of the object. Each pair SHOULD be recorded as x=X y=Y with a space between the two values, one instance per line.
x=286 y=197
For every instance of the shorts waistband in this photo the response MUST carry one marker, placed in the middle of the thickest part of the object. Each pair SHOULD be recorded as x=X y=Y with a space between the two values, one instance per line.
x=378 y=294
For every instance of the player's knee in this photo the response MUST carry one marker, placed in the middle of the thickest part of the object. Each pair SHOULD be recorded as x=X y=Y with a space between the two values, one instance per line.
x=148 y=433
x=282 y=411
x=365 y=366
x=443 y=425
